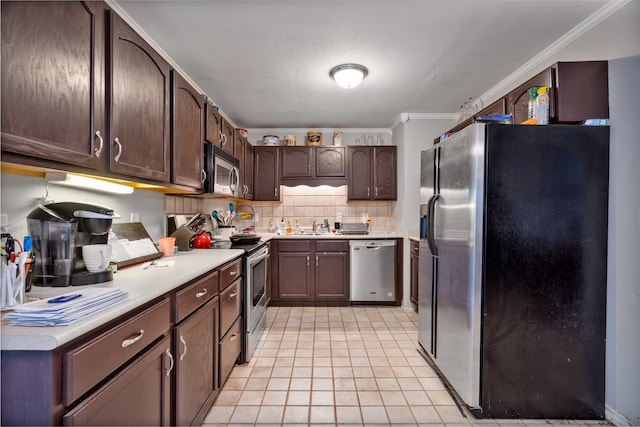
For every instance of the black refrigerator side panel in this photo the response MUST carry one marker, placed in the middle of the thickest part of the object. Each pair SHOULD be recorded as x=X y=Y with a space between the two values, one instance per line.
x=545 y=272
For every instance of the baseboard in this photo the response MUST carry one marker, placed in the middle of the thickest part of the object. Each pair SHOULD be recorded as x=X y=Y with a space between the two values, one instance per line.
x=617 y=418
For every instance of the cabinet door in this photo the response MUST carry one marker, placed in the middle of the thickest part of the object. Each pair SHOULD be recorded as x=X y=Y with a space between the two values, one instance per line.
x=268 y=287
x=294 y=281
x=228 y=137
x=266 y=173
x=195 y=344
x=187 y=129
x=296 y=162
x=213 y=129
x=138 y=395
x=384 y=173
x=332 y=276
x=359 y=173
x=53 y=81
x=414 y=264
x=139 y=106
x=330 y=162
x=248 y=170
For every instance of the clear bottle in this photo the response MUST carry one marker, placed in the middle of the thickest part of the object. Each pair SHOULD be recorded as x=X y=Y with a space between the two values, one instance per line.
x=542 y=107
x=271 y=228
x=297 y=227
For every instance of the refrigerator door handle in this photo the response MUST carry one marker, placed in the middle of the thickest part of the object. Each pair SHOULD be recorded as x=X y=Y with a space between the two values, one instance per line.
x=431 y=224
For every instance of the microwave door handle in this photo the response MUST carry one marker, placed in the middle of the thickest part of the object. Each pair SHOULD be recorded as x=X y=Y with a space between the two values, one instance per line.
x=233 y=179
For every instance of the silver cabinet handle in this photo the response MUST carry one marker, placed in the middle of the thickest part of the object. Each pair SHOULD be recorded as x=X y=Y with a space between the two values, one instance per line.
x=224 y=139
x=233 y=337
x=309 y=168
x=117 y=157
x=129 y=341
x=201 y=293
x=316 y=261
x=376 y=191
x=368 y=192
x=275 y=192
x=170 y=356
x=204 y=175
x=98 y=150
x=184 y=343
x=233 y=295
x=220 y=137
x=307 y=260
x=233 y=273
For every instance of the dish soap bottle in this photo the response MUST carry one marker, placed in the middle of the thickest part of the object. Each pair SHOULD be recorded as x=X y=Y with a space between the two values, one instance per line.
x=542 y=107
x=289 y=229
x=533 y=94
x=271 y=229
x=297 y=227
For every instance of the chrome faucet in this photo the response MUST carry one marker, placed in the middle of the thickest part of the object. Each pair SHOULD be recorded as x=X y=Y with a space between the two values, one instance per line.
x=315 y=226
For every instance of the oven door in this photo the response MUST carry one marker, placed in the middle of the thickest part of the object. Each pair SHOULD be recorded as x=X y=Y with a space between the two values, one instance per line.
x=255 y=299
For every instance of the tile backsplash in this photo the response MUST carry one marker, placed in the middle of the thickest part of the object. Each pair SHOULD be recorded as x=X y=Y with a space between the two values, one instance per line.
x=302 y=202
x=307 y=204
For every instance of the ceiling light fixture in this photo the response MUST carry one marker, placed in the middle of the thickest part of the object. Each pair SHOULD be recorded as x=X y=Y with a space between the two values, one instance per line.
x=63 y=178
x=348 y=75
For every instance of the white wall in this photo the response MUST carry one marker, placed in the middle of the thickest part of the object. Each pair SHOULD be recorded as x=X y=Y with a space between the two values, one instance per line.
x=21 y=194
x=623 y=298
x=411 y=137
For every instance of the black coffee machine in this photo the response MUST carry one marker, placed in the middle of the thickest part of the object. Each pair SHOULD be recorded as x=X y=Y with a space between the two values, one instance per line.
x=59 y=231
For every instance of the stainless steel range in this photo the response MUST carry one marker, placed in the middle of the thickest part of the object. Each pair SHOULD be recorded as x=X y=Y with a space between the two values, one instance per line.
x=255 y=298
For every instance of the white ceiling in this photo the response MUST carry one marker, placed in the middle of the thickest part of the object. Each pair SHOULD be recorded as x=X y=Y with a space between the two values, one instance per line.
x=266 y=63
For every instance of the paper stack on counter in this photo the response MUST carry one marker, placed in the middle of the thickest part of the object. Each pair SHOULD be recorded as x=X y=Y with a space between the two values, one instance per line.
x=66 y=309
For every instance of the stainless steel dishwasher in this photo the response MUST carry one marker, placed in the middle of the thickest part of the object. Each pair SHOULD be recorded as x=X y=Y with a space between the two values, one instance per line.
x=373 y=270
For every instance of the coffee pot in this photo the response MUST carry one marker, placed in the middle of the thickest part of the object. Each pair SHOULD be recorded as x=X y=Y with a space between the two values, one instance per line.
x=59 y=231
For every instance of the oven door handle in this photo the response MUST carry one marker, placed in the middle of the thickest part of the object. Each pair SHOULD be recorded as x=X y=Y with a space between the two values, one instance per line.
x=254 y=259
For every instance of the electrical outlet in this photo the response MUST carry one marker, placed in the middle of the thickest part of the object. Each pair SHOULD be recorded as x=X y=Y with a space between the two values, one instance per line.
x=4 y=220
x=135 y=217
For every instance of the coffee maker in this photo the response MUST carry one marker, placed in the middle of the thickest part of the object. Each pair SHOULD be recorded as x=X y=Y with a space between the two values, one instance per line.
x=59 y=231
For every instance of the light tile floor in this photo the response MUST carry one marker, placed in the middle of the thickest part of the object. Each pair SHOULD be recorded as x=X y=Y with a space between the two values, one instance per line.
x=354 y=365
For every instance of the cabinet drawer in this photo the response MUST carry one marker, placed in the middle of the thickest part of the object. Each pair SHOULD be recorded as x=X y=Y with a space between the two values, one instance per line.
x=230 y=302
x=230 y=346
x=87 y=365
x=195 y=295
x=230 y=272
x=414 y=247
x=294 y=245
x=139 y=395
x=332 y=246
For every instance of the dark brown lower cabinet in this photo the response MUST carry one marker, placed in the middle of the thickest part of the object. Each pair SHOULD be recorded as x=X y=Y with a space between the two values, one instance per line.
x=414 y=265
x=138 y=395
x=195 y=343
x=312 y=272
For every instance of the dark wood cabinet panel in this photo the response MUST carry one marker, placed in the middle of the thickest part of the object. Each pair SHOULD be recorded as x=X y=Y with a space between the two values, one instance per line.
x=297 y=162
x=269 y=285
x=53 y=79
x=413 y=270
x=330 y=162
x=248 y=171
x=187 y=134
x=229 y=349
x=195 y=344
x=228 y=137
x=518 y=99
x=294 y=282
x=498 y=107
x=139 y=101
x=230 y=305
x=332 y=276
x=213 y=129
x=384 y=173
x=139 y=395
x=311 y=271
x=372 y=173
x=266 y=176
x=359 y=173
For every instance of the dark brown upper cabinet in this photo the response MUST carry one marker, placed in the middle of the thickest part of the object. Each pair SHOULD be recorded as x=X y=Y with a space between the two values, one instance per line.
x=53 y=78
x=266 y=177
x=139 y=105
x=313 y=165
x=372 y=172
x=187 y=134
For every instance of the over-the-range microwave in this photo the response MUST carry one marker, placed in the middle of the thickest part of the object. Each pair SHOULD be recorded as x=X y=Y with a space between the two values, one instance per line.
x=221 y=172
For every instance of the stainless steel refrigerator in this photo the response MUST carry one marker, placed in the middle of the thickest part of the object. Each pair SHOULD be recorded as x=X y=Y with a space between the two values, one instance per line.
x=512 y=268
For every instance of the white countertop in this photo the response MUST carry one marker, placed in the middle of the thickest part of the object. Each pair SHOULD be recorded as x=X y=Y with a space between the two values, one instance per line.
x=142 y=286
x=370 y=236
